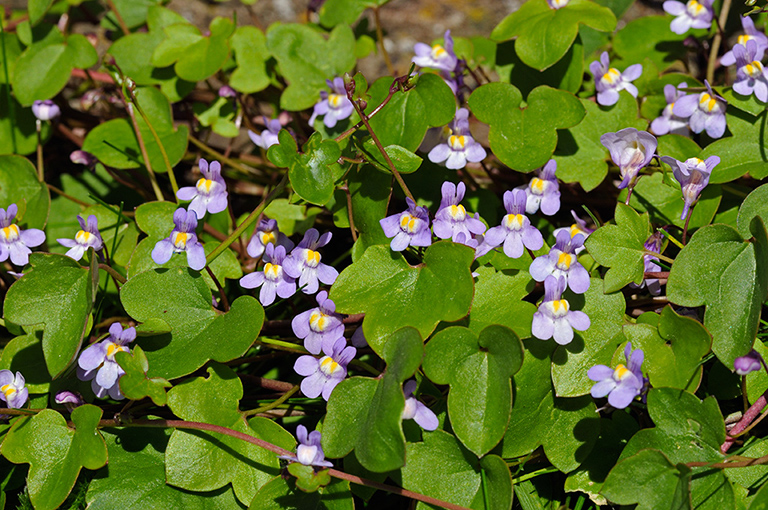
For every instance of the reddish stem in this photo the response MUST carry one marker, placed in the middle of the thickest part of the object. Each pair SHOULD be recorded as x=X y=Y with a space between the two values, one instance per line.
x=752 y=413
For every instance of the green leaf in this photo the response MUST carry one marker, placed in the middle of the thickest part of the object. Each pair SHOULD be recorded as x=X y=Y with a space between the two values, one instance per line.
x=365 y=414
x=25 y=354
x=499 y=300
x=218 y=116
x=544 y=34
x=760 y=502
x=478 y=370
x=55 y=452
x=196 y=460
x=749 y=104
x=369 y=192
x=181 y=298
x=195 y=57
x=135 y=477
x=566 y=74
x=741 y=153
x=133 y=12
x=37 y=9
x=567 y=428
x=250 y=47
x=307 y=479
x=650 y=37
x=524 y=136
x=292 y=218
x=580 y=156
x=135 y=384
x=19 y=185
x=405 y=161
x=392 y=294
x=459 y=478
x=717 y=268
x=405 y=119
x=307 y=59
x=156 y=218
x=282 y=494
x=59 y=293
x=631 y=480
x=673 y=347
x=313 y=173
x=756 y=204
x=620 y=247
x=345 y=12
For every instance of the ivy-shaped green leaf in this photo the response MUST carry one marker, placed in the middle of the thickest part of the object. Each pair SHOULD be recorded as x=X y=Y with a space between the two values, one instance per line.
x=135 y=384
x=545 y=34
x=251 y=54
x=345 y=12
x=19 y=185
x=369 y=192
x=650 y=37
x=393 y=294
x=208 y=460
x=55 y=452
x=218 y=116
x=499 y=300
x=195 y=57
x=478 y=369
x=741 y=153
x=279 y=494
x=405 y=161
x=307 y=478
x=620 y=247
x=524 y=136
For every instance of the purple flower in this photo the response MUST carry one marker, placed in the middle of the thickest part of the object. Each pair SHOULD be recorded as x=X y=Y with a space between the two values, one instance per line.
x=267 y=233
x=273 y=279
x=555 y=319
x=408 y=228
x=358 y=339
x=609 y=81
x=437 y=56
x=45 y=110
x=227 y=91
x=515 y=231
x=622 y=384
x=305 y=264
x=653 y=245
x=693 y=176
x=749 y=363
x=579 y=227
x=83 y=158
x=706 y=112
x=543 y=191
x=97 y=363
x=335 y=106
x=321 y=375
x=210 y=192
x=689 y=15
x=752 y=34
x=557 y=4
x=750 y=75
x=87 y=237
x=460 y=147
x=268 y=137
x=630 y=150
x=13 y=390
x=69 y=399
x=15 y=242
x=320 y=325
x=561 y=261
x=668 y=122
x=182 y=239
x=451 y=218
x=415 y=410
x=308 y=452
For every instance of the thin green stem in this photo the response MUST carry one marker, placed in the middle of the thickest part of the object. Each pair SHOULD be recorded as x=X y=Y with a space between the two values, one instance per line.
x=671 y=238
x=144 y=154
x=68 y=197
x=724 y=10
x=40 y=171
x=168 y=167
x=219 y=156
x=263 y=409
x=659 y=256
x=538 y=472
x=114 y=274
x=282 y=345
x=380 y=37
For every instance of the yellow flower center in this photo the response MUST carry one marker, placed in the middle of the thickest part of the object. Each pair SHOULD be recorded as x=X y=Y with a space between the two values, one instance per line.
x=458 y=212
x=708 y=103
x=611 y=77
x=328 y=366
x=82 y=237
x=560 y=308
x=438 y=52
x=180 y=240
x=754 y=69
x=457 y=142
x=538 y=186
x=513 y=221
x=564 y=260
x=272 y=271
x=409 y=223
x=576 y=230
x=8 y=390
x=204 y=186
x=559 y=4
x=694 y=8
x=742 y=39
x=112 y=349
x=267 y=238
x=621 y=373
x=11 y=233
x=318 y=321
x=335 y=100
x=312 y=258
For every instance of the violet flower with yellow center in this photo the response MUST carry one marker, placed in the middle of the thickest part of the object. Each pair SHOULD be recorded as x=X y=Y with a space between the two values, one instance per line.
x=321 y=375
x=706 y=111
x=621 y=384
x=668 y=122
x=460 y=146
x=320 y=325
x=334 y=106
x=309 y=451
x=693 y=176
x=13 y=390
x=182 y=240
x=438 y=56
x=750 y=74
x=515 y=231
x=543 y=192
x=97 y=363
x=631 y=150
x=273 y=279
x=210 y=192
x=609 y=81
x=693 y=14
x=408 y=228
x=554 y=318
x=87 y=237
x=451 y=218
x=561 y=261
x=267 y=233
x=304 y=262
x=750 y=34
x=15 y=242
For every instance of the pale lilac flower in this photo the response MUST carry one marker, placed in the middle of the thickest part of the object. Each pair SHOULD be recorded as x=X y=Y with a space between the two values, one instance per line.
x=320 y=325
x=83 y=158
x=579 y=227
x=97 y=363
x=451 y=218
x=13 y=390
x=438 y=56
x=267 y=233
x=750 y=74
x=358 y=339
x=653 y=245
x=693 y=176
x=182 y=240
x=273 y=280
x=554 y=318
x=460 y=146
x=321 y=375
x=15 y=242
x=706 y=111
x=690 y=15
x=268 y=137
x=308 y=451
x=210 y=192
x=227 y=91
x=305 y=264
x=69 y=399
x=561 y=261
x=45 y=110
x=515 y=231
x=408 y=228
x=557 y=4
x=668 y=122
x=335 y=106
x=416 y=411
x=609 y=81
x=621 y=384
x=631 y=150
x=87 y=237
x=751 y=34
x=543 y=191
x=749 y=363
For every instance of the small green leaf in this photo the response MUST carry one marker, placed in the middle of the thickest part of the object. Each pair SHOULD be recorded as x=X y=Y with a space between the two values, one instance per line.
x=196 y=57
x=281 y=494
x=218 y=116
x=620 y=247
x=135 y=384
x=19 y=185
x=345 y=12
x=156 y=218
x=524 y=137
x=37 y=9
x=307 y=479
x=405 y=161
x=25 y=354
x=650 y=37
x=390 y=291
x=250 y=47
x=499 y=299
x=369 y=191
x=55 y=452
x=741 y=153
x=756 y=204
